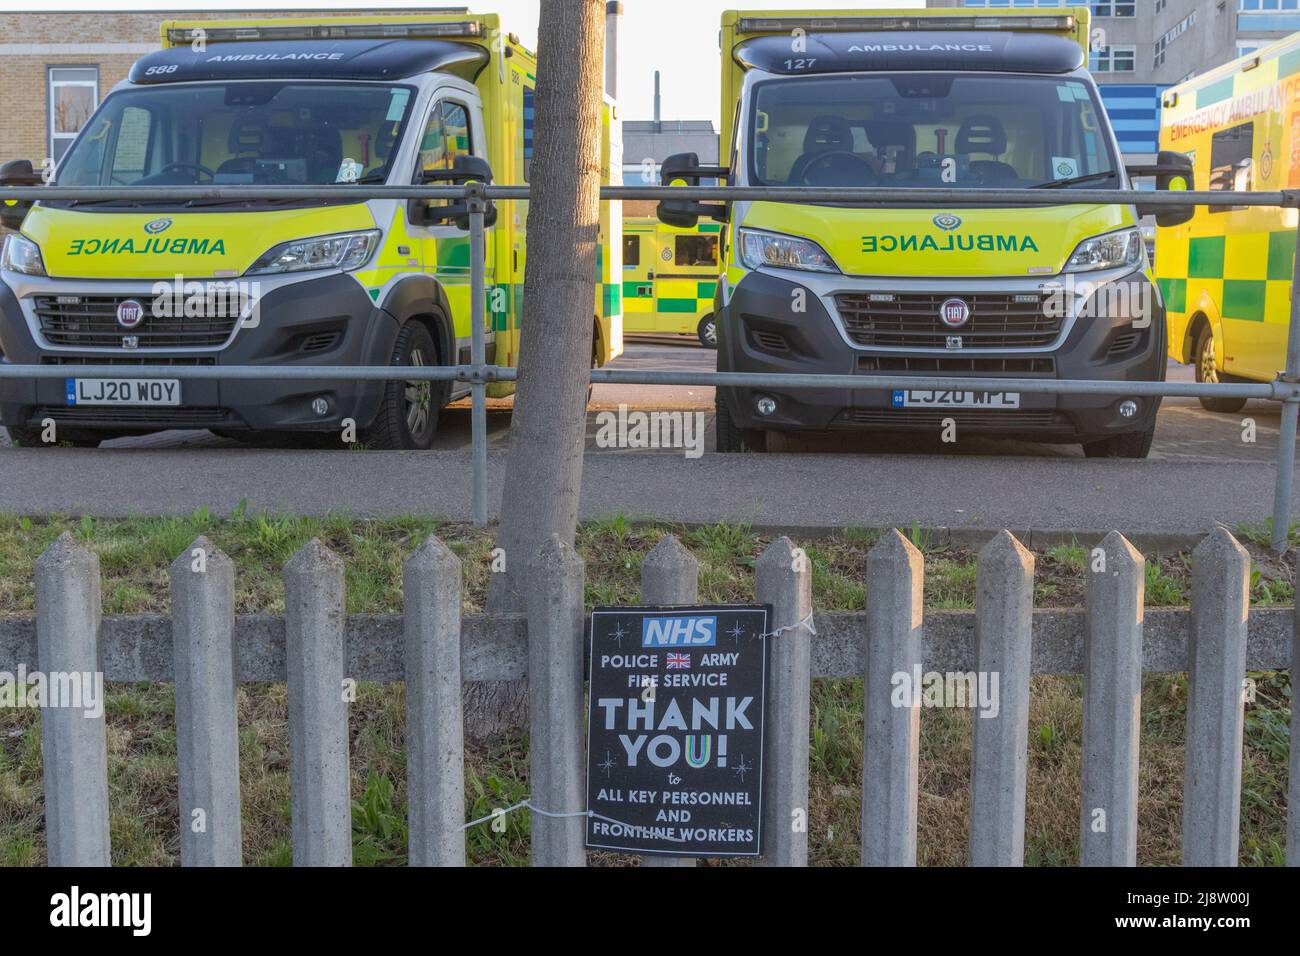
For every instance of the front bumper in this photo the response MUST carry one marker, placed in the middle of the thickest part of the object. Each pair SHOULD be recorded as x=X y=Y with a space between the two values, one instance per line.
x=322 y=320
x=759 y=331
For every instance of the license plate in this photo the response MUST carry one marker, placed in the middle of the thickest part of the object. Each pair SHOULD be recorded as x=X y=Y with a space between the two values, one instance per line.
x=123 y=391
x=937 y=398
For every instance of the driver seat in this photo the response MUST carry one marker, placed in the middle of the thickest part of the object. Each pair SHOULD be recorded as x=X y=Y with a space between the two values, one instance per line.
x=985 y=134
x=247 y=135
x=826 y=134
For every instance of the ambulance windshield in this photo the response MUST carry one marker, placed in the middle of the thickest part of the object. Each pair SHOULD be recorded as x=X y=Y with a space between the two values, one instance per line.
x=240 y=133
x=935 y=130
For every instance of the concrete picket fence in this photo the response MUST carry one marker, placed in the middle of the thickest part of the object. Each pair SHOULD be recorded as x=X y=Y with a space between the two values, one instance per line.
x=205 y=648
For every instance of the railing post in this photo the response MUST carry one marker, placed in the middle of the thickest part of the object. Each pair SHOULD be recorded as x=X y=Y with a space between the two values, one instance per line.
x=1293 y=798
x=320 y=784
x=207 y=729
x=74 y=747
x=1216 y=668
x=784 y=580
x=478 y=353
x=891 y=737
x=435 y=748
x=669 y=575
x=555 y=678
x=1004 y=585
x=1290 y=415
x=1112 y=703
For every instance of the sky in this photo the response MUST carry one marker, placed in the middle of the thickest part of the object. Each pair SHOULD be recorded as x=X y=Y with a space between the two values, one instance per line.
x=677 y=37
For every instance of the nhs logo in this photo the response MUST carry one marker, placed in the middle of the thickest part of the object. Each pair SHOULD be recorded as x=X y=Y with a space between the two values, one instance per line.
x=679 y=631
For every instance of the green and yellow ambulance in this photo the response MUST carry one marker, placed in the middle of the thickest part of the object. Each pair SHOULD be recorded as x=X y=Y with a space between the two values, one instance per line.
x=337 y=102
x=905 y=99
x=1226 y=273
x=670 y=276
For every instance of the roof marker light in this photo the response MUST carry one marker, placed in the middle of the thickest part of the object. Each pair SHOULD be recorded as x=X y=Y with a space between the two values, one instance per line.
x=341 y=31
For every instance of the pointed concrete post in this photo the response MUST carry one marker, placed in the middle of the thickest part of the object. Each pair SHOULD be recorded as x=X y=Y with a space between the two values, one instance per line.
x=318 y=715
x=555 y=699
x=784 y=580
x=435 y=748
x=891 y=739
x=207 y=728
x=1112 y=703
x=1004 y=605
x=74 y=744
x=1216 y=668
x=669 y=575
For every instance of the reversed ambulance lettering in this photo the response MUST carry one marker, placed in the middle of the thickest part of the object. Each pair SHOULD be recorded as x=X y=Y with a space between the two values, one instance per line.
x=124 y=247
x=984 y=242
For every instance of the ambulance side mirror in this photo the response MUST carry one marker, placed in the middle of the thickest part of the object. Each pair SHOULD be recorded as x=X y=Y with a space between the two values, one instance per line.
x=686 y=213
x=1173 y=172
x=464 y=169
x=17 y=172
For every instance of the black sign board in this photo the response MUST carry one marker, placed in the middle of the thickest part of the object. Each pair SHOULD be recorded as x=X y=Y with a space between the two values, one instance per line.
x=675 y=729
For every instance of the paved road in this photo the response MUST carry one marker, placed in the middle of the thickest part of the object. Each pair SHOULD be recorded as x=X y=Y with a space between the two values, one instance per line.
x=1200 y=471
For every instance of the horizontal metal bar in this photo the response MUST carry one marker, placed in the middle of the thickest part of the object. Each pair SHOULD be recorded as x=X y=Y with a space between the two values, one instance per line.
x=1275 y=391
x=864 y=195
x=346 y=373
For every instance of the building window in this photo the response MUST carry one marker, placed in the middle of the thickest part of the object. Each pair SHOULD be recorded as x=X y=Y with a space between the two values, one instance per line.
x=1113 y=59
x=1183 y=25
x=73 y=95
x=1160 y=5
x=1114 y=8
x=1268 y=15
x=1246 y=49
x=530 y=98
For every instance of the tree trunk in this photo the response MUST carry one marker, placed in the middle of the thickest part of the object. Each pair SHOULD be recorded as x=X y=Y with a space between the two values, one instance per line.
x=548 y=432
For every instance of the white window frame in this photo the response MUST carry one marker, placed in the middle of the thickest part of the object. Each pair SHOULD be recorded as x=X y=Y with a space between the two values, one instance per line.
x=51 y=84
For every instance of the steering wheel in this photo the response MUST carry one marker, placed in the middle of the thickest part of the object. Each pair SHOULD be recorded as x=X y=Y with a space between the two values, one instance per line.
x=199 y=167
x=850 y=168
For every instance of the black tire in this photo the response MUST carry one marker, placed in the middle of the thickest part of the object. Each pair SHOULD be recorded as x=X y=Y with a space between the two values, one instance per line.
x=1208 y=371
x=408 y=412
x=31 y=438
x=730 y=437
x=1130 y=445
x=707 y=330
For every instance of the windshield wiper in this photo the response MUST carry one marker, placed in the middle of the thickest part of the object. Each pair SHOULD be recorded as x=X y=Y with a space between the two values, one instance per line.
x=1073 y=181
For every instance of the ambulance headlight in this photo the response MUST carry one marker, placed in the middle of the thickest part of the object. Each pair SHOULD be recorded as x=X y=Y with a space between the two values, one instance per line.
x=1108 y=251
x=21 y=255
x=782 y=252
x=346 y=251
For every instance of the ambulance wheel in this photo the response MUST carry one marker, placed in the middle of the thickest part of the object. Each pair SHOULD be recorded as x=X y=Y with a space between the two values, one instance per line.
x=730 y=437
x=707 y=330
x=408 y=412
x=1131 y=445
x=1208 y=371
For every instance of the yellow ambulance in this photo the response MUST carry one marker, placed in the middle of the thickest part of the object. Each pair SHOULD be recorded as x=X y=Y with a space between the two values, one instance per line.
x=1226 y=273
x=900 y=100
x=337 y=102
x=669 y=278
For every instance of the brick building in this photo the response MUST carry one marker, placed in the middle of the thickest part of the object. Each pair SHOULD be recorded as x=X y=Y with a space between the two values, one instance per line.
x=56 y=67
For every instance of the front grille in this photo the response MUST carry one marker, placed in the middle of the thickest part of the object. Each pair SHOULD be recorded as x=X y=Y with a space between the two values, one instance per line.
x=90 y=321
x=998 y=320
x=769 y=341
x=943 y=364
x=135 y=417
x=997 y=419
x=126 y=360
x=1124 y=342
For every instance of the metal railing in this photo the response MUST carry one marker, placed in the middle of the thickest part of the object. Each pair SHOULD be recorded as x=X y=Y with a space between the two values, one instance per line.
x=1285 y=388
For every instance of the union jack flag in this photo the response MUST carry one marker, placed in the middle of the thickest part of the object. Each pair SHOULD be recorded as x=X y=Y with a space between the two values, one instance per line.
x=678 y=661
